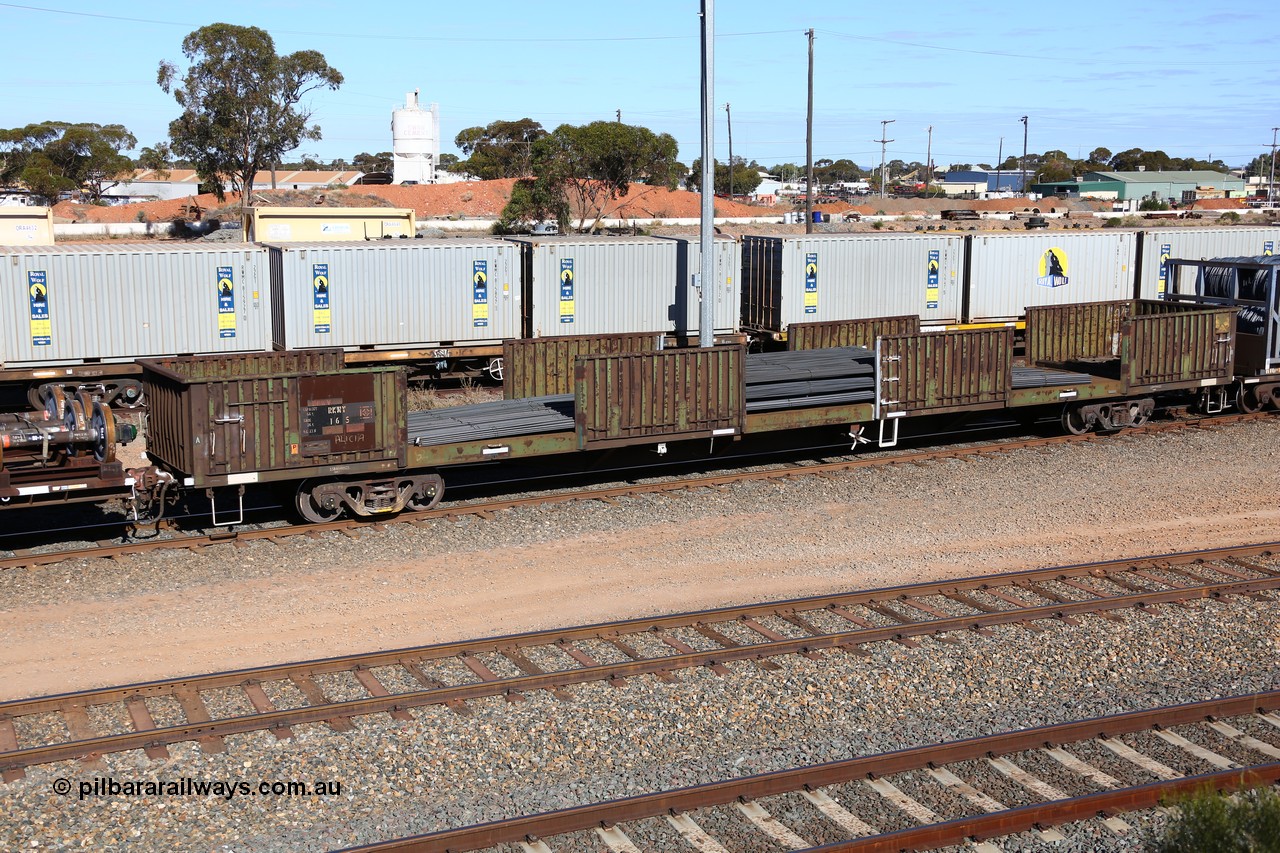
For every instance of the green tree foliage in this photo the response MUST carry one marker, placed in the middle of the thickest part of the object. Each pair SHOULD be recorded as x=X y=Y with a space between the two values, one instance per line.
x=745 y=178
x=1099 y=158
x=54 y=157
x=1151 y=203
x=787 y=171
x=1260 y=165
x=448 y=161
x=532 y=201
x=1211 y=823
x=595 y=164
x=366 y=162
x=241 y=102
x=158 y=158
x=501 y=149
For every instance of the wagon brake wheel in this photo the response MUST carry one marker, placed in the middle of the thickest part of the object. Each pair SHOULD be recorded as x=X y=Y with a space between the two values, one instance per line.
x=309 y=509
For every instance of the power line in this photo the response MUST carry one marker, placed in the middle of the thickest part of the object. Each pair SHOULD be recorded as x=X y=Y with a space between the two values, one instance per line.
x=1002 y=54
x=385 y=37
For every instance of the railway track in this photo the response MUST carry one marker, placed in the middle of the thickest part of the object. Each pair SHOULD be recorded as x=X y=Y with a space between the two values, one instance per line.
x=892 y=801
x=486 y=509
x=206 y=709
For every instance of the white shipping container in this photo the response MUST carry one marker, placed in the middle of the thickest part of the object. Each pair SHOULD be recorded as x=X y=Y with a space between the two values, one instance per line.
x=395 y=295
x=587 y=285
x=1196 y=244
x=1009 y=272
x=824 y=277
x=76 y=304
x=726 y=290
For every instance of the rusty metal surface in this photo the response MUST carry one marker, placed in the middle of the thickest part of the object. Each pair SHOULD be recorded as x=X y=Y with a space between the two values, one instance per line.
x=539 y=367
x=691 y=799
x=942 y=372
x=255 y=418
x=632 y=398
x=1146 y=345
x=1164 y=348
x=849 y=333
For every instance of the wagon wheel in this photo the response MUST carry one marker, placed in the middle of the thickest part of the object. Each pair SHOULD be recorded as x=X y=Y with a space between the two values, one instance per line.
x=1074 y=422
x=75 y=419
x=429 y=495
x=1247 y=398
x=102 y=422
x=53 y=400
x=312 y=509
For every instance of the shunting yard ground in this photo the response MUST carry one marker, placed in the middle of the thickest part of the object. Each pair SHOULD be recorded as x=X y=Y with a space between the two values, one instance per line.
x=82 y=625
x=429 y=768
x=170 y=614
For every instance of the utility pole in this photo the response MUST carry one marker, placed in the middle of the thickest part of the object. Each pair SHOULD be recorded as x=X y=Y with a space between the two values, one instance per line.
x=619 y=116
x=729 y=119
x=1271 y=182
x=999 y=163
x=808 y=148
x=706 y=227
x=1024 y=155
x=928 y=164
x=884 y=128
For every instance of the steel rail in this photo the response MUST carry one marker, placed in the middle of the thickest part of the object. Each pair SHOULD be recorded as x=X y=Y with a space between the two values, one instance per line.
x=13 y=759
x=1004 y=822
x=485 y=509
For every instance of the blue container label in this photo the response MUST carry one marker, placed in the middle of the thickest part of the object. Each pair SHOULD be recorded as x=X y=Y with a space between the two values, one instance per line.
x=38 y=293
x=226 y=303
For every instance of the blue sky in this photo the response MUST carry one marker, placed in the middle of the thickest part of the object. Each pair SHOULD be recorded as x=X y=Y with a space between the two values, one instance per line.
x=1192 y=78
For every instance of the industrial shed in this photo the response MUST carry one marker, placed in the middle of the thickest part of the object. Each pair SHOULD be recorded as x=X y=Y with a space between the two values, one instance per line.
x=1130 y=185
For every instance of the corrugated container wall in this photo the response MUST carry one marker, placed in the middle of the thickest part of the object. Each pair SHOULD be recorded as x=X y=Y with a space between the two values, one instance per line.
x=1009 y=272
x=117 y=302
x=1196 y=244
x=606 y=285
x=823 y=277
x=727 y=289
x=412 y=293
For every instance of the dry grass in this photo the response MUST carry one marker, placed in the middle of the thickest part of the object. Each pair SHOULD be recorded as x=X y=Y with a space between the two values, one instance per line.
x=423 y=397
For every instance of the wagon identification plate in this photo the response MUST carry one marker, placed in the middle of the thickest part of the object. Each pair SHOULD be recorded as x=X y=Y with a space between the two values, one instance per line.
x=320 y=298
x=226 y=303
x=38 y=292
x=479 y=293
x=811 y=283
x=329 y=422
x=1166 y=252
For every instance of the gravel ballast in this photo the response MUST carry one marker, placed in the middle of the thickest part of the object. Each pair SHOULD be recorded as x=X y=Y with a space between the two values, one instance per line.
x=509 y=758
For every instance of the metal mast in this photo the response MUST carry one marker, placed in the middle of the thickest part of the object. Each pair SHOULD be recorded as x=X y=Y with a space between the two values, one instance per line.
x=808 y=148
x=706 y=228
x=884 y=141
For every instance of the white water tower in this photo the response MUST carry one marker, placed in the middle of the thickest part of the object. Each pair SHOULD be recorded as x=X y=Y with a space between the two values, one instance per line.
x=415 y=142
